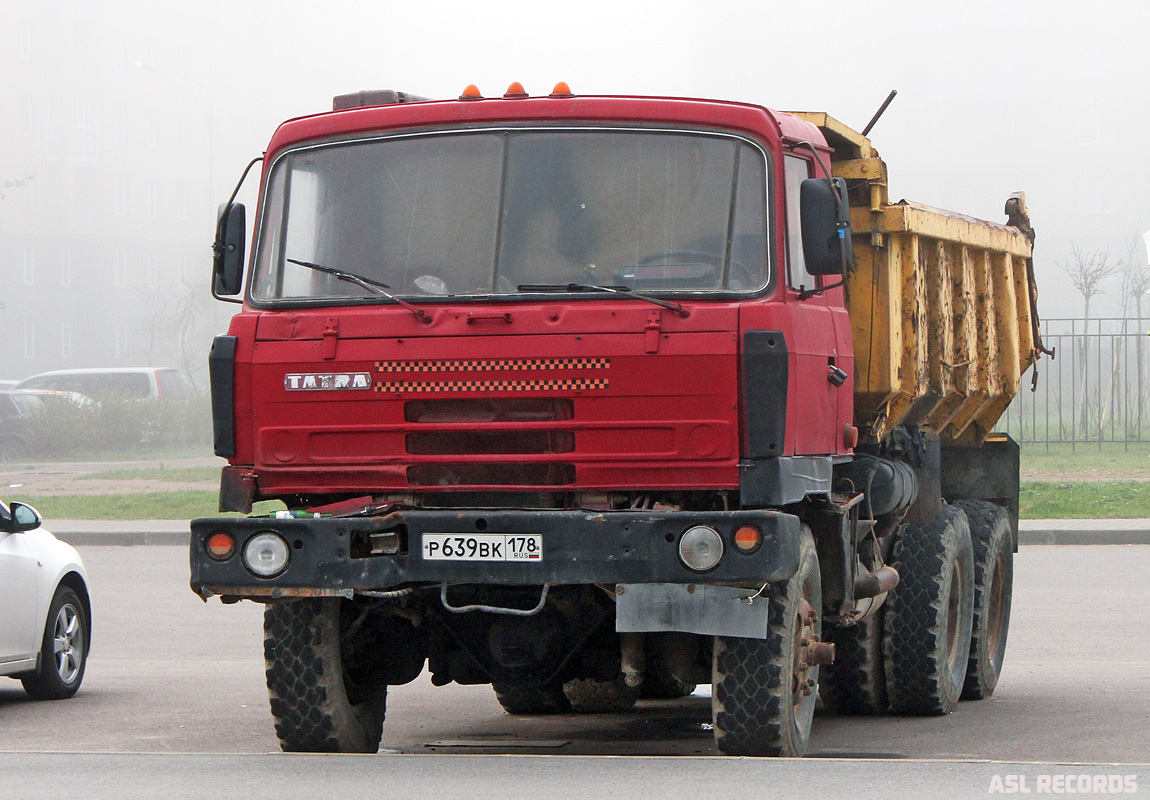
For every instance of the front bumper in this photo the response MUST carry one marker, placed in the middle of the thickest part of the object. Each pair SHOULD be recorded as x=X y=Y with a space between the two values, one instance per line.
x=332 y=556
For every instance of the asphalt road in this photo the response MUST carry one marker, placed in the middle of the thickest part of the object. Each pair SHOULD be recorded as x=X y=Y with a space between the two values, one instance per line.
x=170 y=674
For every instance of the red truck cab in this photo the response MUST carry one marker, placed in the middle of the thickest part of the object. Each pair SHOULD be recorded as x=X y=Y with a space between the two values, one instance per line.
x=492 y=377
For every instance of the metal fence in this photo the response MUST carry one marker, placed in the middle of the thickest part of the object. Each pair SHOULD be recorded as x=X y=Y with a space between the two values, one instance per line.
x=1093 y=391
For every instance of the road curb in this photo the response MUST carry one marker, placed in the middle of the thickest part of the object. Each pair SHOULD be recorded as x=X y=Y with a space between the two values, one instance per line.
x=123 y=538
x=1077 y=537
x=121 y=533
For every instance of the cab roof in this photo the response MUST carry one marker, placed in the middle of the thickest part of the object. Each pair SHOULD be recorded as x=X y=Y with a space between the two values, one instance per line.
x=385 y=110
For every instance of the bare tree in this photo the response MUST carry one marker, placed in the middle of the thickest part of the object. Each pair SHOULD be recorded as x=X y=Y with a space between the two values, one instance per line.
x=1134 y=266
x=1134 y=283
x=1134 y=273
x=178 y=327
x=1087 y=271
x=13 y=184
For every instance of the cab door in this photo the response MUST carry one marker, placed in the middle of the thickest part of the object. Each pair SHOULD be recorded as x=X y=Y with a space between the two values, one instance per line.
x=817 y=321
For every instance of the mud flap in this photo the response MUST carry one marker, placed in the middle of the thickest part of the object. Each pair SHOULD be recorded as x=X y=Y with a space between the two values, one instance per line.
x=691 y=608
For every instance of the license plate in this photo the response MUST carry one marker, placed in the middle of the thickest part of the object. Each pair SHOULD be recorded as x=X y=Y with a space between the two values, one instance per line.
x=482 y=547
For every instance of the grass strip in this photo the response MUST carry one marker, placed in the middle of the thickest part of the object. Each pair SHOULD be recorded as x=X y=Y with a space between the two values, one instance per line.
x=1073 y=500
x=173 y=474
x=184 y=504
x=1110 y=456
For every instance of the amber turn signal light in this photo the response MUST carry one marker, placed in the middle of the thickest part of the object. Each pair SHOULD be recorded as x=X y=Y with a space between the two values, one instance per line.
x=748 y=539
x=850 y=436
x=221 y=546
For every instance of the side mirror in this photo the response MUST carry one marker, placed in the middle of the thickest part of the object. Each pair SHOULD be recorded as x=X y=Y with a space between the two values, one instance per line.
x=228 y=250
x=826 y=224
x=21 y=517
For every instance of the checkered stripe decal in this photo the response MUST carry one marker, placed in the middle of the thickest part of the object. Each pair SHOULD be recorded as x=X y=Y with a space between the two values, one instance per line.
x=494 y=386
x=483 y=365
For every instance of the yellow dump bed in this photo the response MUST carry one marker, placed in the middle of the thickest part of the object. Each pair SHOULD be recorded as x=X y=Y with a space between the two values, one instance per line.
x=942 y=305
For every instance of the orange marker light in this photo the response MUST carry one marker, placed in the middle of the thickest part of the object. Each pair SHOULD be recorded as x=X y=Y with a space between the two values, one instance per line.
x=561 y=90
x=221 y=546
x=471 y=93
x=850 y=436
x=515 y=91
x=748 y=539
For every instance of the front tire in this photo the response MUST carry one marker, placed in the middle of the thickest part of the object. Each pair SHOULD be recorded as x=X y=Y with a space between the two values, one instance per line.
x=764 y=690
x=317 y=704
x=929 y=615
x=63 y=649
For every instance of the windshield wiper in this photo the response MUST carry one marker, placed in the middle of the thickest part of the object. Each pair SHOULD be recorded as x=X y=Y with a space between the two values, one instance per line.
x=366 y=283
x=590 y=287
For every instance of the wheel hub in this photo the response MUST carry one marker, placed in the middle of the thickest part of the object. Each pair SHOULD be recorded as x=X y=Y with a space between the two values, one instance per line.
x=809 y=651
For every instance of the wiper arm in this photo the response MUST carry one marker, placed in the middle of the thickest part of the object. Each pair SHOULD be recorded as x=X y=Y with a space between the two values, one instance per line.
x=590 y=287
x=366 y=283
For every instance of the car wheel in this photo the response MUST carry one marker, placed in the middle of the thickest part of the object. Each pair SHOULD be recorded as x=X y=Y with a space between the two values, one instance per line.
x=63 y=650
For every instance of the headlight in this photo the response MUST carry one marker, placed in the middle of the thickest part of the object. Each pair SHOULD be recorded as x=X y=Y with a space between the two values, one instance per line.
x=701 y=548
x=266 y=554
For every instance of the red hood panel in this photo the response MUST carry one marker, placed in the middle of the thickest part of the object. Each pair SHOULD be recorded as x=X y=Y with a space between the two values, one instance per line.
x=653 y=408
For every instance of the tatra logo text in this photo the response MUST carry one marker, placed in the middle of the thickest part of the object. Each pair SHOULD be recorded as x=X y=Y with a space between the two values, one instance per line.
x=327 y=381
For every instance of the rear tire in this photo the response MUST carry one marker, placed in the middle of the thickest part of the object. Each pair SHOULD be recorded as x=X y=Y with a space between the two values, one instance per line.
x=659 y=682
x=530 y=700
x=855 y=684
x=763 y=693
x=993 y=580
x=590 y=696
x=317 y=706
x=929 y=615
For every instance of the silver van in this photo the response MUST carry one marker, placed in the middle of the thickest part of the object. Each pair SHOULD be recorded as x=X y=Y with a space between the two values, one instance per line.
x=132 y=383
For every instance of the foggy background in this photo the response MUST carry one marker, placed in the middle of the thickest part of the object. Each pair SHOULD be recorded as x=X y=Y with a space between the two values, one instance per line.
x=126 y=123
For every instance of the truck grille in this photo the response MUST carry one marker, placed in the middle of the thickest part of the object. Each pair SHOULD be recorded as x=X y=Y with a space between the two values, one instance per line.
x=444 y=443
x=489 y=410
x=504 y=438
x=545 y=474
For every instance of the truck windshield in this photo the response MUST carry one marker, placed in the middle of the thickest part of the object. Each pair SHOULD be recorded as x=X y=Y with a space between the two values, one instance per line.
x=499 y=211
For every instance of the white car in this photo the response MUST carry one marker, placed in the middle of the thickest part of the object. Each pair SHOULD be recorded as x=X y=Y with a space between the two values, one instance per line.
x=45 y=613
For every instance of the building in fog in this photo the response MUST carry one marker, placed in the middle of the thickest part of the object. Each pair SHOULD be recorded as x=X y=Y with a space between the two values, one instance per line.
x=106 y=220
